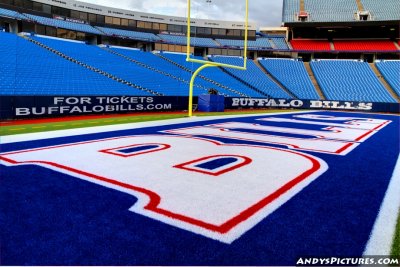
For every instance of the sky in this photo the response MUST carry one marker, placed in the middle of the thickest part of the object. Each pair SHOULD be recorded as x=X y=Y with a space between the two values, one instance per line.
x=265 y=13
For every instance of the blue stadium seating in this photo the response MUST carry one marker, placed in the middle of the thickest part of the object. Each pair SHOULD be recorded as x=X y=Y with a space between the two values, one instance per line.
x=322 y=10
x=383 y=10
x=130 y=34
x=349 y=80
x=293 y=75
x=280 y=43
x=390 y=70
x=28 y=69
x=259 y=43
x=291 y=9
x=215 y=74
x=80 y=27
x=119 y=66
x=194 y=41
x=254 y=76
x=331 y=10
x=10 y=14
x=201 y=86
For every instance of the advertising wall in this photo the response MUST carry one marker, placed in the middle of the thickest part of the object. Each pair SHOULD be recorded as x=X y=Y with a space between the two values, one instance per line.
x=22 y=107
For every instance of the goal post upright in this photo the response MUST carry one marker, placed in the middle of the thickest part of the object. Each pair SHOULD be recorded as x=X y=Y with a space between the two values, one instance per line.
x=206 y=63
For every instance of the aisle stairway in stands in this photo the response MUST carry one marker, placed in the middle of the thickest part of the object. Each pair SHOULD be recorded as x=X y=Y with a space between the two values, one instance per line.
x=302 y=5
x=360 y=5
x=282 y=86
x=292 y=74
x=314 y=80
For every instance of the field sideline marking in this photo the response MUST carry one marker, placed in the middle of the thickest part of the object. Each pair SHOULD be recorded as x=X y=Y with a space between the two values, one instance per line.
x=383 y=232
x=110 y=128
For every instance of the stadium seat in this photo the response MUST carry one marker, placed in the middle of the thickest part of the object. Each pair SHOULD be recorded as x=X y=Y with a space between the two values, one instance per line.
x=194 y=41
x=130 y=34
x=349 y=80
x=279 y=42
x=330 y=10
x=215 y=74
x=119 y=66
x=364 y=45
x=290 y=9
x=253 y=76
x=259 y=43
x=293 y=75
x=11 y=14
x=28 y=69
x=310 y=45
x=201 y=86
x=390 y=70
x=80 y=27
x=383 y=10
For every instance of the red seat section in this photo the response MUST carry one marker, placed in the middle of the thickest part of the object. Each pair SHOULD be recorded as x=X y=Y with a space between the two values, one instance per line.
x=311 y=45
x=365 y=45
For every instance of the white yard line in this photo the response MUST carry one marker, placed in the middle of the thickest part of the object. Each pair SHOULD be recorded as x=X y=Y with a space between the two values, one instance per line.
x=127 y=126
x=381 y=238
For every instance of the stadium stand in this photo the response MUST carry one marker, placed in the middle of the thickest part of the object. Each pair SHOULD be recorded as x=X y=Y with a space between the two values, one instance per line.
x=10 y=14
x=331 y=10
x=58 y=23
x=383 y=10
x=118 y=66
x=349 y=80
x=390 y=70
x=293 y=75
x=130 y=34
x=310 y=45
x=181 y=40
x=28 y=69
x=279 y=43
x=215 y=74
x=364 y=45
x=165 y=66
x=252 y=76
x=290 y=10
x=259 y=43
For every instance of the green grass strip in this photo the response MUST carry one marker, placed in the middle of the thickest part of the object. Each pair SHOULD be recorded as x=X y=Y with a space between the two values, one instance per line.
x=65 y=125
x=396 y=241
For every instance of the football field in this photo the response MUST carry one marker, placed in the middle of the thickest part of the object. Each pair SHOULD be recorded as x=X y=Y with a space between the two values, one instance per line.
x=254 y=189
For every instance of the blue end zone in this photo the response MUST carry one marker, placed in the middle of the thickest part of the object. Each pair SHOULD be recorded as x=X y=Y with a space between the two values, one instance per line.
x=50 y=218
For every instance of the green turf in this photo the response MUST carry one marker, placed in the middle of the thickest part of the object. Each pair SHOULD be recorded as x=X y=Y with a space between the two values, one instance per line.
x=63 y=125
x=396 y=242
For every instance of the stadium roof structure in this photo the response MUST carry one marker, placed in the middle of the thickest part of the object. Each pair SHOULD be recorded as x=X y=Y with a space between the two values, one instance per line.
x=339 y=11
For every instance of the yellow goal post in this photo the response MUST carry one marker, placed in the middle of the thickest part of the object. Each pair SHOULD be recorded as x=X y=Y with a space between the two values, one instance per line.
x=206 y=63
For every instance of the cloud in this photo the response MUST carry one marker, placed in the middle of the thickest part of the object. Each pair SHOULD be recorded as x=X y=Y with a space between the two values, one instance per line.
x=262 y=12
